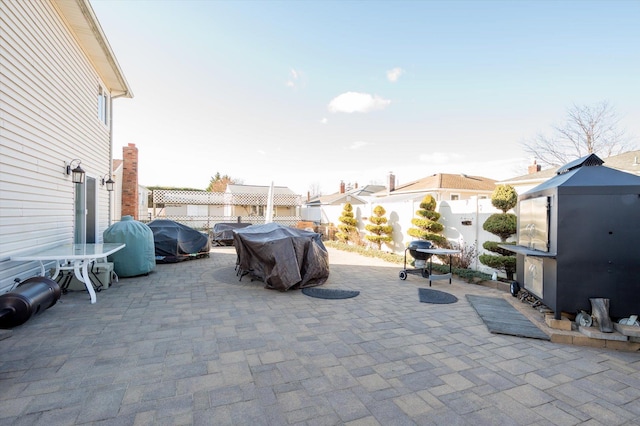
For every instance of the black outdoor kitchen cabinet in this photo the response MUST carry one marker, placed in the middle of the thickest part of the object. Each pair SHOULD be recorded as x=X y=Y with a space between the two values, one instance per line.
x=579 y=238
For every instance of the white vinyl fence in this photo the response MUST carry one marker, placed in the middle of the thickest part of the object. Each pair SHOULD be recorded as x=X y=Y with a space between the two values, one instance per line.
x=463 y=220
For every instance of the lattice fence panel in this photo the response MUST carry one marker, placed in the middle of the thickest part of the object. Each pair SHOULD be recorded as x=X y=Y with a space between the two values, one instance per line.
x=261 y=200
x=164 y=196
x=176 y=197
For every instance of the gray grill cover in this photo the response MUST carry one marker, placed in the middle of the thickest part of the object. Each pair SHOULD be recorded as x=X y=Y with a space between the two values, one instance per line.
x=284 y=258
x=222 y=233
x=175 y=242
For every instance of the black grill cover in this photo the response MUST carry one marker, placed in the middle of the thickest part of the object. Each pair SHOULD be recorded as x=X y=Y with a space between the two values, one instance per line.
x=284 y=258
x=222 y=233
x=175 y=242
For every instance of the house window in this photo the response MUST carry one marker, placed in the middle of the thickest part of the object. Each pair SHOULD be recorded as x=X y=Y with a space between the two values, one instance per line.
x=455 y=197
x=103 y=105
x=257 y=211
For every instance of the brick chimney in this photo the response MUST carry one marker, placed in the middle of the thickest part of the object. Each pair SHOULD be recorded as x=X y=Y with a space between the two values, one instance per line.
x=392 y=182
x=342 y=187
x=130 y=181
x=534 y=167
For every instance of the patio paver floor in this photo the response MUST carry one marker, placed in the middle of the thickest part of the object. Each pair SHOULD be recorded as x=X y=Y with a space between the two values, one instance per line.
x=190 y=344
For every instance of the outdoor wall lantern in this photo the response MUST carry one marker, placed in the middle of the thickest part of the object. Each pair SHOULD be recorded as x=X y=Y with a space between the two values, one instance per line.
x=77 y=174
x=109 y=182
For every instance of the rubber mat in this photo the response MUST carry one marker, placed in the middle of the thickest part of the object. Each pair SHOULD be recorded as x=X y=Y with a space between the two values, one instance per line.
x=502 y=318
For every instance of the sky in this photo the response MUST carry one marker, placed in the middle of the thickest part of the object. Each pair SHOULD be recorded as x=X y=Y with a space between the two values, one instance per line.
x=307 y=93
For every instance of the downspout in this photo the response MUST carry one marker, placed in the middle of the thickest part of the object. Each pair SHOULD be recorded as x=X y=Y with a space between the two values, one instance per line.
x=111 y=98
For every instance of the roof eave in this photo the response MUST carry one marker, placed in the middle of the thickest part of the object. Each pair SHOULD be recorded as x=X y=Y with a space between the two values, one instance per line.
x=84 y=25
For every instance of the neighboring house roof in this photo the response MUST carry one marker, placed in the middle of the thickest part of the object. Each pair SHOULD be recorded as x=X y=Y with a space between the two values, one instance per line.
x=441 y=181
x=627 y=162
x=84 y=24
x=367 y=190
x=353 y=196
x=335 y=199
x=116 y=165
x=530 y=178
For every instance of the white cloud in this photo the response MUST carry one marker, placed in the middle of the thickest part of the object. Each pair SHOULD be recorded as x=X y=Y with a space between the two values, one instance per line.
x=358 y=145
x=394 y=74
x=324 y=120
x=357 y=102
x=295 y=78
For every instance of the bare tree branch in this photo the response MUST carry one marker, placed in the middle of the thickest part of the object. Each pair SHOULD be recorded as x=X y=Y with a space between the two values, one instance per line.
x=587 y=130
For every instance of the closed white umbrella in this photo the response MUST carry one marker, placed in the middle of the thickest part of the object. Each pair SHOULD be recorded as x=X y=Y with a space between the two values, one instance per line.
x=268 y=216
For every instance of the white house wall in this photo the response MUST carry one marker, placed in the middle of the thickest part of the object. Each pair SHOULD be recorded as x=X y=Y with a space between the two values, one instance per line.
x=116 y=196
x=48 y=116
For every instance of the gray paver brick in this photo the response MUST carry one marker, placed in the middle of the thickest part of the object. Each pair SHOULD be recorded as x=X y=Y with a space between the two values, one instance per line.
x=190 y=344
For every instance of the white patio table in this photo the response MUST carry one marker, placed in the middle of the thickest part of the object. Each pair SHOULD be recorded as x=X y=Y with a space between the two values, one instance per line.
x=76 y=257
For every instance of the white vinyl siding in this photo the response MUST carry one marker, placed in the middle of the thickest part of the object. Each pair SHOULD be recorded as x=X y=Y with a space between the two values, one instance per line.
x=48 y=116
x=197 y=210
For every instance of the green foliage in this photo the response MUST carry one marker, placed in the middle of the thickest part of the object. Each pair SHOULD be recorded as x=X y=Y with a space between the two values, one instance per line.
x=380 y=232
x=466 y=274
x=493 y=246
x=364 y=251
x=218 y=183
x=501 y=263
x=429 y=203
x=503 y=225
x=426 y=225
x=347 y=225
x=436 y=239
x=504 y=198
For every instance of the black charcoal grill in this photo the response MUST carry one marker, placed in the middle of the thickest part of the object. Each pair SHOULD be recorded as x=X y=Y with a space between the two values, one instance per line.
x=420 y=266
x=415 y=245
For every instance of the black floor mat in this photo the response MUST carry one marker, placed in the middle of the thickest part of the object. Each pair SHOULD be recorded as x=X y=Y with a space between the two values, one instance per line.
x=502 y=318
x=428 y=295
x=329 y=293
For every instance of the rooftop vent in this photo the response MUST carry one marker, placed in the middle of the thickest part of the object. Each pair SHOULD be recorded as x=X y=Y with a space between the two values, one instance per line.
x=588 y=161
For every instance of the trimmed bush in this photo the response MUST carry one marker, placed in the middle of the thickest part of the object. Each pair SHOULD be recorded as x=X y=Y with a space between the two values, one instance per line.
x=380 y=231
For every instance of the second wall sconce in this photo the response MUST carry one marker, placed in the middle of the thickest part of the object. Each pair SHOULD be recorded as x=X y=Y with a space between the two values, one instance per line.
x=109 y=182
